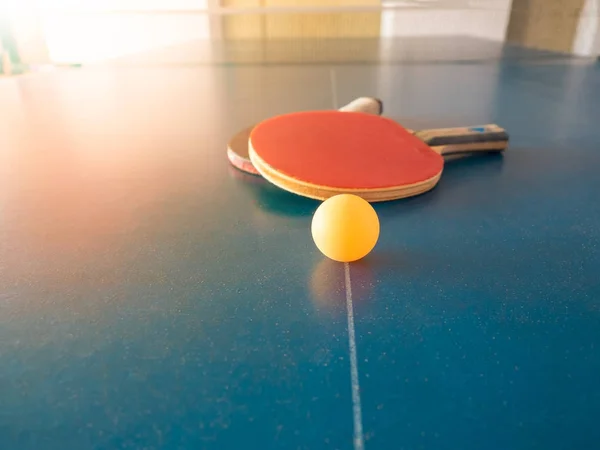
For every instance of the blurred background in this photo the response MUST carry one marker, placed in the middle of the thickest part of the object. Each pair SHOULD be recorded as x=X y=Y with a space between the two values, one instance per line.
x=73 y=32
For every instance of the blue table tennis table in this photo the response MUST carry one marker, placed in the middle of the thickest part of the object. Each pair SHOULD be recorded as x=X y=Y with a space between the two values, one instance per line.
x=154 y=297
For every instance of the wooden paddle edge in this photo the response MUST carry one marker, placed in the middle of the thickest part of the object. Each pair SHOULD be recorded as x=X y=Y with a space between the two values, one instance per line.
x=242 y=164
x=236 y=157
x=317 y=192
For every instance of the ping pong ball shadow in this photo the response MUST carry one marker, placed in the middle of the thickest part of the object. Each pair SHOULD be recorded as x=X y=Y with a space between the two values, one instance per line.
x=328 y=286
x=273 y=199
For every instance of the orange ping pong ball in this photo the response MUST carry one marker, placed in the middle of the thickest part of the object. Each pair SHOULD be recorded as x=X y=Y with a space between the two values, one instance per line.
x=345 y=227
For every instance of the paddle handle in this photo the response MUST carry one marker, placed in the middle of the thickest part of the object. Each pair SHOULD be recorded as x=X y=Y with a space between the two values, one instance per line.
x=481 y=138
x=369 y=105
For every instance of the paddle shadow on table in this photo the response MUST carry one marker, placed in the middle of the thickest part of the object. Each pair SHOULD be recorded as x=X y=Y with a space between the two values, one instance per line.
x=272 y=199
x=457 y=171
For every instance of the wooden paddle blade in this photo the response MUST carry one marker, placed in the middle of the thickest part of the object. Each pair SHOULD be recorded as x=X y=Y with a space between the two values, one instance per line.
x=483 y=138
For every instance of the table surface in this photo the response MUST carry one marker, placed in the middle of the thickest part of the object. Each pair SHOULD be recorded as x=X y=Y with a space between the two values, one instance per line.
x=153 y=297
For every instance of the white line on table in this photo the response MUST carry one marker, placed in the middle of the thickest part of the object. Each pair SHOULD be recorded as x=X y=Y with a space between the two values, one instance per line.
x=359 y=442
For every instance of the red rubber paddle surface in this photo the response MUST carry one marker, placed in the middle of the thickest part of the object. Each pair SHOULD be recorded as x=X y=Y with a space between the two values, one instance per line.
x=344 y=150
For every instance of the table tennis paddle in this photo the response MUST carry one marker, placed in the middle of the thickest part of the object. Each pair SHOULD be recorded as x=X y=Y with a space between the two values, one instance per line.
x=319 y=154
x=237 y=147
